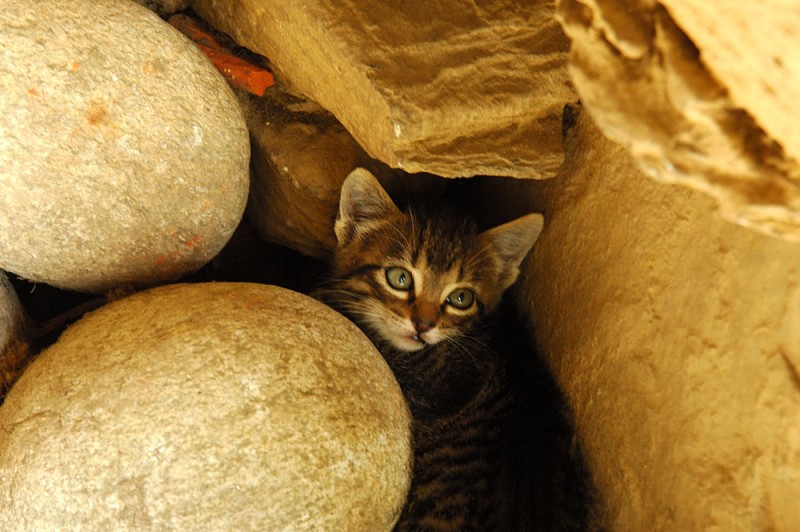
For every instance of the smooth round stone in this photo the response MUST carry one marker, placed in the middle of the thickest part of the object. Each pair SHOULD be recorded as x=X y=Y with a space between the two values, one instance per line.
x=124 y=153
x=224 y=406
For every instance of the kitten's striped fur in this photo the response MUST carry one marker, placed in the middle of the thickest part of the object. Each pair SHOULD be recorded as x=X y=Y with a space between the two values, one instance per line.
x=405 y=277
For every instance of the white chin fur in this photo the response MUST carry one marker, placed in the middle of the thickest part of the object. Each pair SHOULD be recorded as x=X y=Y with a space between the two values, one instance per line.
x=409 y=341
x=402 y=336
x=406 y=343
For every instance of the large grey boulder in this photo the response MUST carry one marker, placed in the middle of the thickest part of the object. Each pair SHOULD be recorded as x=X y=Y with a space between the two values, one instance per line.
x=123 y=153
x=206 y=407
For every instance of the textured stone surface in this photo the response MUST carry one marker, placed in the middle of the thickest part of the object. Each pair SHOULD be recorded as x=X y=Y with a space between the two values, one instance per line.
x=717 y=118
x=13 y=333
x=123 y=152
x=213 y=407
x=301 y=155
x=12 y=317
x=452 y=87
x=749 y=47
x=675 y=336
x=164 y=7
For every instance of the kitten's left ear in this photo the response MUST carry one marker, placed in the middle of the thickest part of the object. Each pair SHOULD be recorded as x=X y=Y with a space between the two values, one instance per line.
x=362 y=201
x=512 y=241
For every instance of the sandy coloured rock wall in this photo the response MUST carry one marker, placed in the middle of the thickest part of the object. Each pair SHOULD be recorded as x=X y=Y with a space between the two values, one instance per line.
x=676 y=337
x=670 y=318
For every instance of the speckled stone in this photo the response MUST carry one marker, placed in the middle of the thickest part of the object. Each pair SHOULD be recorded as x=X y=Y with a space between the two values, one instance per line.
x=210 y=406
x=124 y=153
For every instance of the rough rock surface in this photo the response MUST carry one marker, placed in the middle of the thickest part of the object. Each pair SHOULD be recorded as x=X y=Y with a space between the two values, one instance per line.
x=207 y=406
x=301 y=155
x=13 y=333
x=696 y=99
x=452 y=87
x=675 y=337
x=749 y=47
x=124 y=154
x=164 y=7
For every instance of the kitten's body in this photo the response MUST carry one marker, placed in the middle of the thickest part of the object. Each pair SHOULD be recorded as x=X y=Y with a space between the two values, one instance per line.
x=461 y=407
x=423 y=285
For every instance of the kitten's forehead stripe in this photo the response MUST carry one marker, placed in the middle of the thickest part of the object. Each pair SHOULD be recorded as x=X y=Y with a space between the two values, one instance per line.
x=442 y=237
x=361 y=269
x=418 y=239
x=377 y=247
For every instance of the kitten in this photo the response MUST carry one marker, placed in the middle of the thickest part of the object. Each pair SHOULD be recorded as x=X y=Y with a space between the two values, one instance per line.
x=423 y=284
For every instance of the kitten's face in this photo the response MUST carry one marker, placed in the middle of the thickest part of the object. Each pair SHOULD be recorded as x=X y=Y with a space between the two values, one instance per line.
x=412 y=286
x=417 y=278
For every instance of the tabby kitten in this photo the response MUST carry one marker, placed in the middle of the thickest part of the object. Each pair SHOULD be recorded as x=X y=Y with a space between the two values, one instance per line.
x=422 y=284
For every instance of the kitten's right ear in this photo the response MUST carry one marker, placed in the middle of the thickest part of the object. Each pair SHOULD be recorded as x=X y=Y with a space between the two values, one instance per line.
x=361 y=201
x=511 y=242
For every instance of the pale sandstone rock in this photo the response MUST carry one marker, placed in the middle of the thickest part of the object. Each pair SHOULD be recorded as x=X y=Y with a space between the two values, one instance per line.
x=675 y=337
x=301 y=156
x=124 y=154
x=649 y=88
x=750 y=47
x=206 y=407
x=452 y=87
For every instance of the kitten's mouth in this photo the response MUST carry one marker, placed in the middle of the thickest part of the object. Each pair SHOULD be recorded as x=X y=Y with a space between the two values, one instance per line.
x=409 y=342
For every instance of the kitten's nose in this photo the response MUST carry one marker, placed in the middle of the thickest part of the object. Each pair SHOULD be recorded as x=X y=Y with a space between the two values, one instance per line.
x=424 y=316
x=422 y=325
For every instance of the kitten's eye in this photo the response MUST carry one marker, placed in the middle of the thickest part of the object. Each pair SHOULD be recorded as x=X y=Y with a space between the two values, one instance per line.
x=461 y=298
x=399 y=278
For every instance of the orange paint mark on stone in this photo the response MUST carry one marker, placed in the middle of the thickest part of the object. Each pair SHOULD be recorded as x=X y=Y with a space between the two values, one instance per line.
x=170 y=264
x=193 y=242
x=97 y=114
x=33 y=91
x=73 y=66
